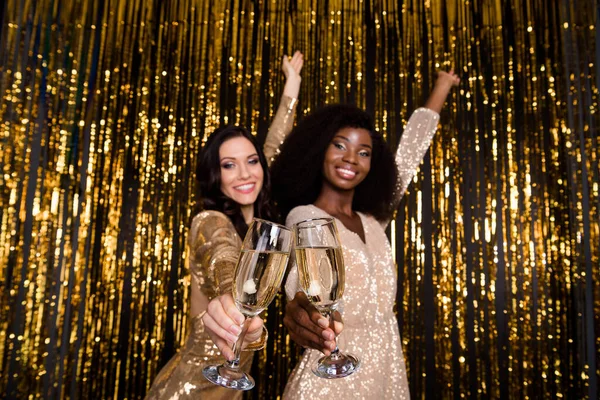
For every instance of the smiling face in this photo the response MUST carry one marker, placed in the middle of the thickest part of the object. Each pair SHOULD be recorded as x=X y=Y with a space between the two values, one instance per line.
x=241 y=173
x=348 y=158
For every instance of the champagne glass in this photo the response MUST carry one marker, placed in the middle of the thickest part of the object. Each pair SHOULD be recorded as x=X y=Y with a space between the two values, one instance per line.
x=257 y=278
x=321 y=270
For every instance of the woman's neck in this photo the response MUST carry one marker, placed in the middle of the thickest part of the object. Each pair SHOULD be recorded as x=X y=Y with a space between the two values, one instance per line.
x=335 y=201
x=248 y=213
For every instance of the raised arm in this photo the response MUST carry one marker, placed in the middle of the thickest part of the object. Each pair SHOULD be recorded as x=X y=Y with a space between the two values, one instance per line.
x=443 y=84
x=419 y=131
x=284 y=117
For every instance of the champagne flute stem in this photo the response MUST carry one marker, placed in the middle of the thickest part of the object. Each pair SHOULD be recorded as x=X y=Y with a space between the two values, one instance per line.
x=335 y=354
x=237 y=347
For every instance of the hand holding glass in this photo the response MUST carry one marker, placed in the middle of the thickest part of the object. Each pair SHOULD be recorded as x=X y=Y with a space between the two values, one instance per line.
x=257 y=278
x=321 y=270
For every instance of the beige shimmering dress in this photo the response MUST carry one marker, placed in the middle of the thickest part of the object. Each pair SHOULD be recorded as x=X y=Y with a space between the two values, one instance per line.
x=370 y=325
x=214 y=246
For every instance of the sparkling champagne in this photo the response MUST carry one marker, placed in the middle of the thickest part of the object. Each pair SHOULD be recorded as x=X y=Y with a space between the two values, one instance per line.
x=257 y=279
x=321 y=271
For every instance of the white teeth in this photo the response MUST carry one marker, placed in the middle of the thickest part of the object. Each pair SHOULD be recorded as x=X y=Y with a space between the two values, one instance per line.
x=347 y=172
x=245 y=187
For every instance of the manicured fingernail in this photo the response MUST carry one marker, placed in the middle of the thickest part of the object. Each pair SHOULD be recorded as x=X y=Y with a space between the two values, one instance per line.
x=330 y=345
x=328 y=335
x=235 y=329
x=323 y=323
x=240 y=319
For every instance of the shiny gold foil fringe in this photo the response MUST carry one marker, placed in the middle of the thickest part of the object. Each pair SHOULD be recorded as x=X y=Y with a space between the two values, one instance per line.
x=105 y=105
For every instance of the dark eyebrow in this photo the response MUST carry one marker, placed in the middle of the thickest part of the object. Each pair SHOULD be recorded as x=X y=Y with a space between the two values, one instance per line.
x=347 y=140
x=233 y=158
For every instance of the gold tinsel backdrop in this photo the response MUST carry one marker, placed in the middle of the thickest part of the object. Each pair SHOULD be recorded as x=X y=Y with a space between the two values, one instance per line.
x=104 y=107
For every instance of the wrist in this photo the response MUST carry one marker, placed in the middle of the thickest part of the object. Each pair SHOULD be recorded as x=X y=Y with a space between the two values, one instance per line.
x=260 y=343
x=442 y=85
x=292 y=87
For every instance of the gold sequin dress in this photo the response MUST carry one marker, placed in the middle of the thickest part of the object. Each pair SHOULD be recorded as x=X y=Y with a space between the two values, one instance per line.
x=370 y=325
x=214 y=246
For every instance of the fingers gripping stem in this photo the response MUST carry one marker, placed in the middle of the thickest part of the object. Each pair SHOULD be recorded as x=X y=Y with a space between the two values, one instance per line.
x=237 y=347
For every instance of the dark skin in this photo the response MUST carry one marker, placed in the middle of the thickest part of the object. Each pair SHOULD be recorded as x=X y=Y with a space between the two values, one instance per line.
x=349 y=218
x=335 y=198
x=308 y=327
x=347 y=163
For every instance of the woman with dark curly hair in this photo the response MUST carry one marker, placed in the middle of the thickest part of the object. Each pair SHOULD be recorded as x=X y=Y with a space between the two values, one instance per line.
x=334 y=164
x=234 y=182
x=299 y=180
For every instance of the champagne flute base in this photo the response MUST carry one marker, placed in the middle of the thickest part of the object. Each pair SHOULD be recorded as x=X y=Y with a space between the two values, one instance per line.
x=340 y=366
x=230 y=378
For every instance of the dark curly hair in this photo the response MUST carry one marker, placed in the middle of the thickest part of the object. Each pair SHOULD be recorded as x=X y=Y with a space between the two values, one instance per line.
x=297 y=172
x=208 y=176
